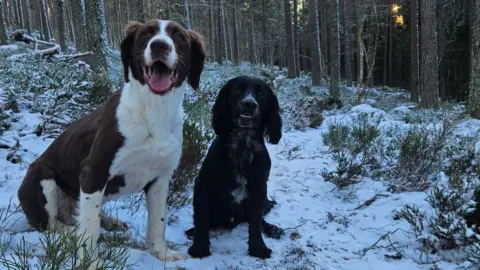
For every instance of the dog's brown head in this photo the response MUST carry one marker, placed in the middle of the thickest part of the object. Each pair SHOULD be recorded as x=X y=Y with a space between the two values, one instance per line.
x=162 y=54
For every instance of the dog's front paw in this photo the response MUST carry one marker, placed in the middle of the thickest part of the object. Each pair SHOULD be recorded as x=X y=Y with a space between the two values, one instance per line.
x=199 y=251
x=274 y=232
x=190 y=233
x=168 y=255
x=260 y=252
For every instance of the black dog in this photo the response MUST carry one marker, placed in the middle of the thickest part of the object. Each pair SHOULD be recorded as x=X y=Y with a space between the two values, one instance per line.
x=231 y=187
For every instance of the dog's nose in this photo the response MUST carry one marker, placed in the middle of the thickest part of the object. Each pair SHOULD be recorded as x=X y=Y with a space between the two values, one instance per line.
x=249 y=106
x=160 y=46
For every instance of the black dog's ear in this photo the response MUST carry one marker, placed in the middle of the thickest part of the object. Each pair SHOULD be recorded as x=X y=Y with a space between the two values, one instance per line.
x=198 y=59
x=126 y=48
x=273 y=121
x=221 y=118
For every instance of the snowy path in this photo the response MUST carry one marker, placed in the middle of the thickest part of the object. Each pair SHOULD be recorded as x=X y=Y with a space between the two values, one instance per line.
x=325 y=232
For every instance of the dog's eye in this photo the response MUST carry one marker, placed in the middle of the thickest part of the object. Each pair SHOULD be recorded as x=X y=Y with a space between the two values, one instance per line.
x=179 y=36
x=145 y=35
x=260 y=93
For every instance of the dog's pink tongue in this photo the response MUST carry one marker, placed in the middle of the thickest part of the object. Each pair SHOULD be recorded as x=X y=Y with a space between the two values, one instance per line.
x=160 y=82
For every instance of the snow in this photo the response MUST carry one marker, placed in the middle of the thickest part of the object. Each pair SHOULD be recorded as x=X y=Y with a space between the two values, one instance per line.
x=10 y=47
x=325 y=228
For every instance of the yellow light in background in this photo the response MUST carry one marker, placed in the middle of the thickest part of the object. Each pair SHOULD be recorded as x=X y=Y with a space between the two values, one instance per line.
x=395 y=8
x=398 y=19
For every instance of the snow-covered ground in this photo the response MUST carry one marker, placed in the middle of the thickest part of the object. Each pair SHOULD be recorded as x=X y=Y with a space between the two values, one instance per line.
x=325 y=228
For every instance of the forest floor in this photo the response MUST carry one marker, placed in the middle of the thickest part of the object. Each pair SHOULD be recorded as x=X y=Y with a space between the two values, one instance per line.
x=339 y=204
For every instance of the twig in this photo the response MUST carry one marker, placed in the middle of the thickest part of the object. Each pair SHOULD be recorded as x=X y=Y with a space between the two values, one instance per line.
x=78 y=55
x=374 y=245
x=370 y=201
x=296 y=227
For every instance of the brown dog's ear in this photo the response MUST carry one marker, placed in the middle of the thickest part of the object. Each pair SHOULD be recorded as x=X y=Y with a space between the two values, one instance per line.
x=126 y=48
x=198 y=59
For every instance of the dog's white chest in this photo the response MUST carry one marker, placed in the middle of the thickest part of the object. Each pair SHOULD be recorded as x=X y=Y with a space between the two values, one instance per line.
x=240 y=193
x=152 y=146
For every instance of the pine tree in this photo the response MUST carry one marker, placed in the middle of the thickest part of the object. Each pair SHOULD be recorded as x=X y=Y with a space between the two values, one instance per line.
x=429 y=49
x=290 y=48
x=96 y=35
x=334 y=48
x=3 y=25
x=61 y=25
x=473 y=106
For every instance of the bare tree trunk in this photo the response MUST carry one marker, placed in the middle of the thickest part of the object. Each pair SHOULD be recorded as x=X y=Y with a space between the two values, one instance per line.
x=212 y=31
x=295 y=38
x=228 y=43
x=28 y=22
x=219 y=36
x=348 y=33
x=390 y=43
x=3 y=25
x=429 y=51
x=61 y=25
x=46 y=33
x=78 y=8
x=140 y=11
x=22 y=15
x=473 y=106
x=97 y=36
x=315 y=49
x=334 y=49
x=251 y=47
x=442 y=76
x=414 y=70
x=224 y=31
x=235 y=35
x=361 y=44
x=187 y=14
x=264 y=31
x=290 y=45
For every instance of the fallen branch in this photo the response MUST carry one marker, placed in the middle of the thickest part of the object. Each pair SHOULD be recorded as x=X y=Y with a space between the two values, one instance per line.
x=50 y=51
x=78 y=55
x=370 y=201
x=20 y=36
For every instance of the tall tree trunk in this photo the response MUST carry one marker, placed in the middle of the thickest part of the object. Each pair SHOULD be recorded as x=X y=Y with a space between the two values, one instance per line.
x=314 y=44
x=473 y=106
x=390 y=42
x=20 y=12
x=334 y=49
x=442 y=76
x=140 y=11
x=46 y=33
x=429 y=51
x=251 y=46
x=61 y=25
x=224 y=30
x=28 y=21
x=290 y=48
x=187 y=14
x=78 y=8
x=295 y=38
x=228 y=24
x=348 y=32
x=235 y=35
x=212 y=31
x=361 y=44
x=132 y=9
x=219 y=36
x=265 y=44
x=414 y=70
x=3 y=25
x=97 y=36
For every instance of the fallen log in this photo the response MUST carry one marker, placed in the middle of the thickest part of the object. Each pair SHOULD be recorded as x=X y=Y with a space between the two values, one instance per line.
x=50 y=51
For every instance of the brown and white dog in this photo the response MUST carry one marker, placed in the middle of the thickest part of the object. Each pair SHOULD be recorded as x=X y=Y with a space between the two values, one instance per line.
x=131 y=143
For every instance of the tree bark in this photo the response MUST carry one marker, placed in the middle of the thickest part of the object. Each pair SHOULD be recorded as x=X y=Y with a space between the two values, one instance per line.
x=264 y=31
x=290 y=48
x=3 y=25
x=295 y=38
x=46 y=33
x=314 y=44
x=442 y=76
x=414 y=70
x=219 y=36
x=79 y=22
x=348 y=33
x=429 y=51
x=61 y=25
x=473 y=106
x=97 y=36
x=140 y=11
x=361 y=44
x=334 y=49
x=235 y=35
